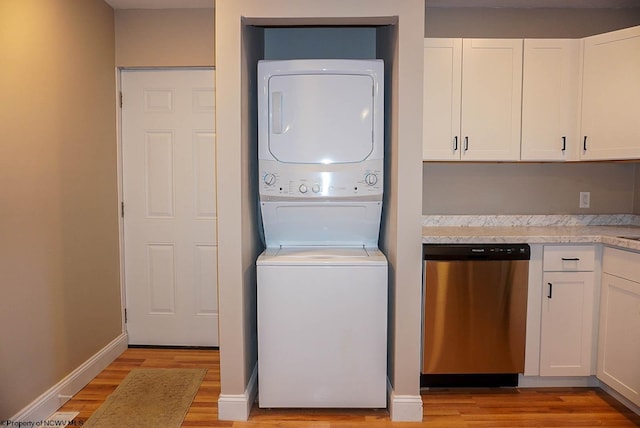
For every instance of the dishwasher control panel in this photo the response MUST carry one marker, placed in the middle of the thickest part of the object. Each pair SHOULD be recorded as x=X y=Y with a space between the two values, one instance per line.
x=476 y=251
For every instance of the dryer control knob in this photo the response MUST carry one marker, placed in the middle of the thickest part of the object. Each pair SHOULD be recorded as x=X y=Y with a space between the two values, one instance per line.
x=269 y=179
x=302 y=188
x=371 y=179
x=315 y=188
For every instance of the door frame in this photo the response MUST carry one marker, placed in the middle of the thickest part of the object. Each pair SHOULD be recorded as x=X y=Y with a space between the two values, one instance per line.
x=121 y=248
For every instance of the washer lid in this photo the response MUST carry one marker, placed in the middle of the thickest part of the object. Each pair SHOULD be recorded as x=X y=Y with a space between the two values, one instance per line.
x=300 y=256
x=323 y=252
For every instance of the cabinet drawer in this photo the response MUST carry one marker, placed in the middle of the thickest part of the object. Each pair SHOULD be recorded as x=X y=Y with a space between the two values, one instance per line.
x=569 y=258
x=625 y=264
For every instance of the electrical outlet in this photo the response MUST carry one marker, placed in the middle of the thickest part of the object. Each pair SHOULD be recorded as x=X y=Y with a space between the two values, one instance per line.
x=585 y=199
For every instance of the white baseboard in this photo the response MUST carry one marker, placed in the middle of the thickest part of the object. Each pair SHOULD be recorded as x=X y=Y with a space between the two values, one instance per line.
x=49 y=402
x=404 y=408
x=237 y=407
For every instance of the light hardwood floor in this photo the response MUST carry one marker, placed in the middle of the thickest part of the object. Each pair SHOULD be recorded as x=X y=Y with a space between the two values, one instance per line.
x=503 y=407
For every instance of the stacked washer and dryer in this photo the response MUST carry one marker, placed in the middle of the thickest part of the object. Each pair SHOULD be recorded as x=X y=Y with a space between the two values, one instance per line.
x=322 y=281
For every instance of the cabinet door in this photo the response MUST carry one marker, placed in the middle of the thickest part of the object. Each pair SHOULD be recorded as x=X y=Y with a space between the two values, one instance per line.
x=550 y=99
x=619 y=337
x=491 y=99
x=610 y=94
x=567 y=324
x=441 y=108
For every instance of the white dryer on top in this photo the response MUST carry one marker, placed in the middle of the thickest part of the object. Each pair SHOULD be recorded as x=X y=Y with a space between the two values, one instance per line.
x=321 y=151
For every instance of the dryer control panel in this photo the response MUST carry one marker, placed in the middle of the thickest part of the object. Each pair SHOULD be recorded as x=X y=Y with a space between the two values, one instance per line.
x=280 y=180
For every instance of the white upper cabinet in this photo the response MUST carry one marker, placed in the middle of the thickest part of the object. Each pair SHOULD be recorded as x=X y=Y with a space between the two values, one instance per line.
x=532 y=100
x=491 y=99
x=550 y=86
x=610 y=92
x=472 y=99
x=441 y=109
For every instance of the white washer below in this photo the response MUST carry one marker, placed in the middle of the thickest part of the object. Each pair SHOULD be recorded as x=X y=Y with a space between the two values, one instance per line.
x=322 y=327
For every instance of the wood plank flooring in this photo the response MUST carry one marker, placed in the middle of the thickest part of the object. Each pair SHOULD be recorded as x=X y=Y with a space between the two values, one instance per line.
x=503 y=407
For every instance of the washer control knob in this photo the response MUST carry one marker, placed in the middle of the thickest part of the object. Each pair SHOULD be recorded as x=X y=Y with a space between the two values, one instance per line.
x=371 y=179
x=302 y=188
x=315 y=188
x=269 y=179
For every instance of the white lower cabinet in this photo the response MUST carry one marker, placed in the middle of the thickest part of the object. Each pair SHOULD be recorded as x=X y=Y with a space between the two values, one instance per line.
x=619 y=337
x=567 y=320
x=567 y=311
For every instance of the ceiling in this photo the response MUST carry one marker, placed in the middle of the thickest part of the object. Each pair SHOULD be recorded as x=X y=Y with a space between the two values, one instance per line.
x=203 y=4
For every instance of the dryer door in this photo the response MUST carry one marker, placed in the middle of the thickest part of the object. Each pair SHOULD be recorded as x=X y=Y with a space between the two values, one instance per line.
x=321 y=118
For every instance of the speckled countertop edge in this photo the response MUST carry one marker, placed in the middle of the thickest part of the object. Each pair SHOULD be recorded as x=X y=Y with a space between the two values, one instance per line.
x=535 y=230
x=532 y=220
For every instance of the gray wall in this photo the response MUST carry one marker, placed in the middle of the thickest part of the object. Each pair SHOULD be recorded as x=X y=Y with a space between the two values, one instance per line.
x=319 y=42
x=164 y=37
x=524 y=188
x=527 y=188
x=636 y=197
x=526 y=23
x=59 y=261
x=235 y=226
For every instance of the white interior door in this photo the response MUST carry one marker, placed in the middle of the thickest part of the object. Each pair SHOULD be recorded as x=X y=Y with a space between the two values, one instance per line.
x=169 y=187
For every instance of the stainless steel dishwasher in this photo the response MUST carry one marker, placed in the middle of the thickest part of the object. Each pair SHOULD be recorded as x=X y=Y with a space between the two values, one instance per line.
x=475 y=310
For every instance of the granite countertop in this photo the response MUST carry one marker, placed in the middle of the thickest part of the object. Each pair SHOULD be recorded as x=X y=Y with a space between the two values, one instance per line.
x=531 y=229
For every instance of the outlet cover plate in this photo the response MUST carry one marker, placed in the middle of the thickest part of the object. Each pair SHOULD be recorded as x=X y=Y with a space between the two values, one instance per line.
x=585 y=199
